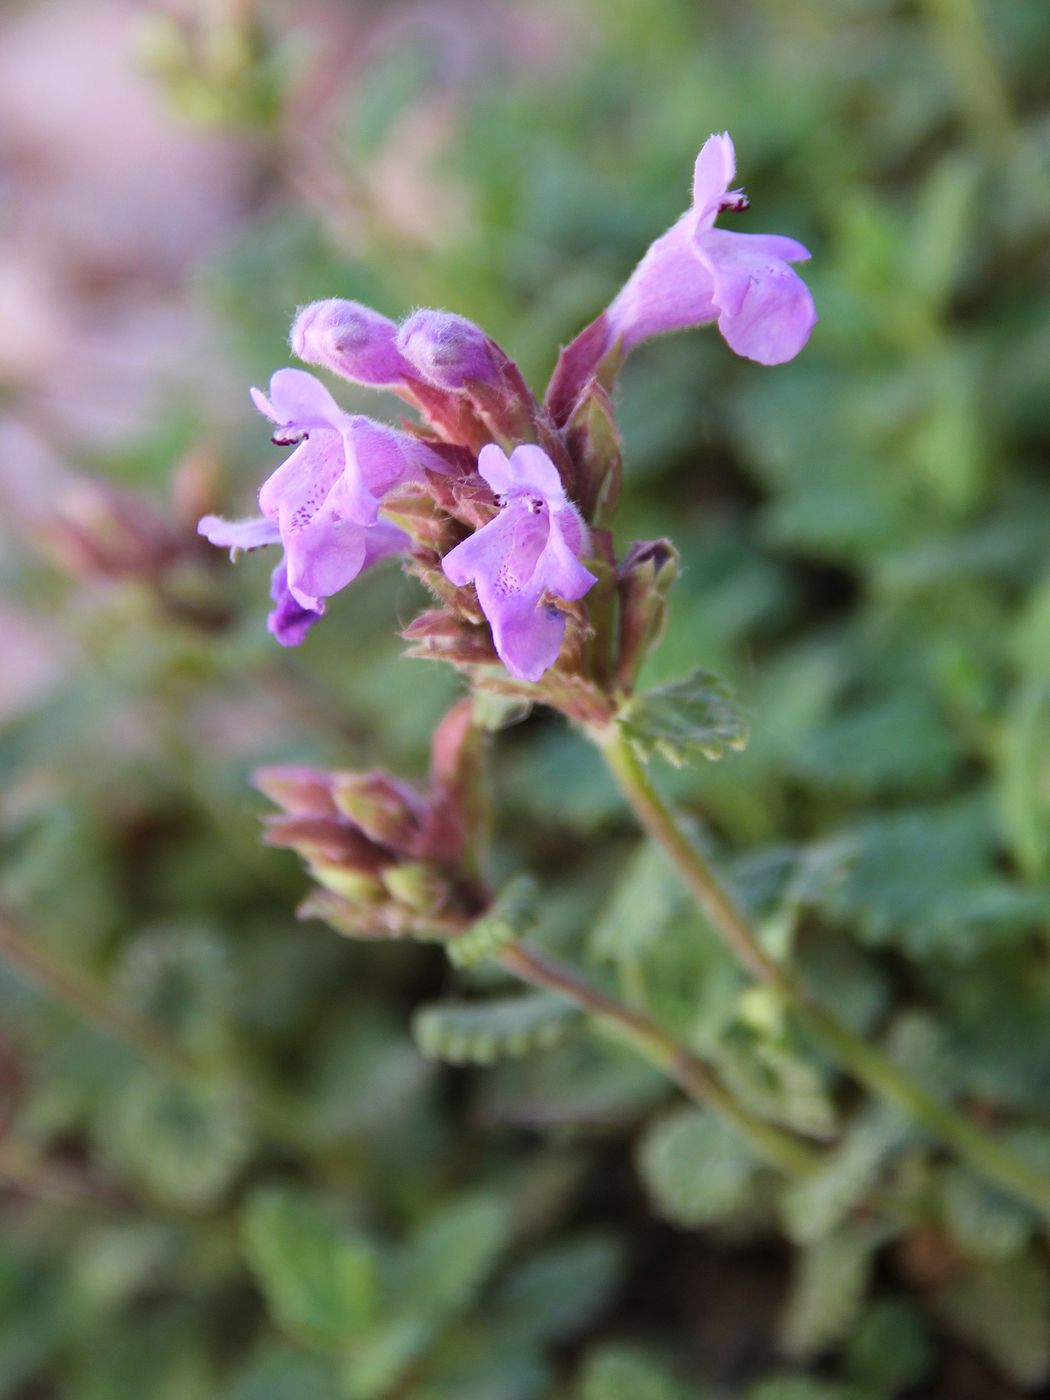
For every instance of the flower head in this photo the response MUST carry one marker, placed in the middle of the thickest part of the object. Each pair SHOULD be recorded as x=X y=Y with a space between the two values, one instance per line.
x=697 y=273
x=323 y=502
x=531 y=548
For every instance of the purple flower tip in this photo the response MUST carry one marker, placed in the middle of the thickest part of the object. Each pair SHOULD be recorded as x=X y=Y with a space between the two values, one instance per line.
x=351 y=339
x=696 y=273
x=532 y=548
x=448 y=351
x=288 y=620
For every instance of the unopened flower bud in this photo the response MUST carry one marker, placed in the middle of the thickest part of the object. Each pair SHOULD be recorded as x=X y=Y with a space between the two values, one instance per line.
x=97 y=529
x=298 y=790
x=387 y=811
x=352 y=340
x=644 y=579
x=449 y=351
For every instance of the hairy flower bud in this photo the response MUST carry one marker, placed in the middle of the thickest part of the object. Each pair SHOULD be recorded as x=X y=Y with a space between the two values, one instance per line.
x=449 y=351
x=352 y=340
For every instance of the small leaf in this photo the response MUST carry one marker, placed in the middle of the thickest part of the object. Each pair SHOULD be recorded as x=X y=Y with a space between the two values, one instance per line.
x=625 y=1373
x=321 y=1284
x=449 y=1259
x=984 y=1222
x=815 y=1206
x=695 y=1168
x=561 y=1291
x=185 y=1141
x=694 y=716
x=479 y=1033
x=511 y=917
x=890 y=1351
x=828 y=1290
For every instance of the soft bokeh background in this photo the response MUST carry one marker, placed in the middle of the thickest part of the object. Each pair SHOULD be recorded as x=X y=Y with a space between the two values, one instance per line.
x=215 y=1121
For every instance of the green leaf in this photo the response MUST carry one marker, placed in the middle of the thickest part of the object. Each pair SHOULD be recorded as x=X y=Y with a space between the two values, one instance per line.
x=815 y=1206
x=180 y=978
x=985 y=1223
x=890 y=1351
x=645 y=899
x=696 y=1169
x=482 y=1032
x=446 y=1263
x=185 y=1140
x=512 y=916
x=562 y=1290
x=827 y=1292
x=626 y=1373
x=695 y=716
x=320 y=1282
x=1001 y=1307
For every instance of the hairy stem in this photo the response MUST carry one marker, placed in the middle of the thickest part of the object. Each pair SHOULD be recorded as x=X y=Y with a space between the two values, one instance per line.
x=867 y=1064
x=777 y=1146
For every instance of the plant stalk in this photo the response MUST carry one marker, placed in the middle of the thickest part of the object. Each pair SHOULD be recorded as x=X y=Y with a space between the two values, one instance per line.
x=775 y=1145
x=864 y=1062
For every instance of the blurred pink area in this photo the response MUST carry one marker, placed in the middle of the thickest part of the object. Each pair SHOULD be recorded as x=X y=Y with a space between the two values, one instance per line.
x=106 y=203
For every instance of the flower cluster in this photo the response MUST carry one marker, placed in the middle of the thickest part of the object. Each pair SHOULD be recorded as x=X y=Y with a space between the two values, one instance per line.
x=498 y=503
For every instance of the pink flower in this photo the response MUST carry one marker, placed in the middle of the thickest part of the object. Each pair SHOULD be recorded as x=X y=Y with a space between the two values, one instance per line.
x=530 y=549
x=697 y=273
x=322 y=504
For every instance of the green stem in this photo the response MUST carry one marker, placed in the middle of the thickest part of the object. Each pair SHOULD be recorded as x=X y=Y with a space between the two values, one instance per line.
x=865 y=1063
x=782 y=1149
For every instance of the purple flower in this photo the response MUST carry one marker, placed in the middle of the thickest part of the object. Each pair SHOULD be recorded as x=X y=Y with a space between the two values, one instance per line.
x=698 y=273
x=531 y=548
x=322 y=503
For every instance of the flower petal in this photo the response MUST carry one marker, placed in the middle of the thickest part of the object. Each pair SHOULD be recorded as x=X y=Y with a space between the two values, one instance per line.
x=238 y=534
x=301 y=484
x=527 y=636
x=714 y=169
x=670 y=289
x=300 y=399
x=559 y=567
x=288 y=621
x=766 y=311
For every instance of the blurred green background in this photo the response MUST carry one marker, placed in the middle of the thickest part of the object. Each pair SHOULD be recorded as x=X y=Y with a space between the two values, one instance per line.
x=225 y=1168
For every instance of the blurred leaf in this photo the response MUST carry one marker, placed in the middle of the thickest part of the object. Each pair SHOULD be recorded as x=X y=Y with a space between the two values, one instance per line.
x=695 y=1167
x=1001 y=1308
x=624 y=1373
x=828 y=1289
x=561 y=1291
x=322 y=1283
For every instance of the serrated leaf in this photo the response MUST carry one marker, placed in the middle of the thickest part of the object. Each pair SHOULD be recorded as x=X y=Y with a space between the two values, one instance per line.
x=512 y=916
x=481 y=1032
x=1001 y=1307
x=831 y=1279
x=321 y=1283
x=694 y=717
x=695 y=1168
